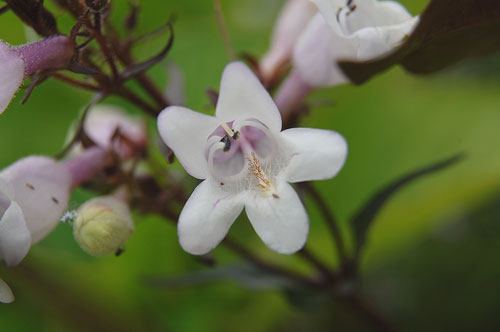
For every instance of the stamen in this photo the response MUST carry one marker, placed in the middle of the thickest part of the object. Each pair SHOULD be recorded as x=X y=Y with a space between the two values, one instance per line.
x=228 y=130
x=227 y=143
x=256 y=170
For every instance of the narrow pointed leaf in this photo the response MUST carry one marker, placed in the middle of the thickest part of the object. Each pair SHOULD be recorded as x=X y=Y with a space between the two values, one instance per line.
x=138 y=68
x=363 y=220
x=448 y=32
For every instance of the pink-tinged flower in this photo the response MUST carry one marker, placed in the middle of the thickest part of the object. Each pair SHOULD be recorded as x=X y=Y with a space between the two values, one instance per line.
x=6 y=295
x=246 y=161
x=34 y=193
x=17 y=63
x=349 y=30
x=11 y=75
x=292 y=20
x=113 y=129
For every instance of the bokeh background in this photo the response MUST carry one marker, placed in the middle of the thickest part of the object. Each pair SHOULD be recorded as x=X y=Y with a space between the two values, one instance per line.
x=432 y=259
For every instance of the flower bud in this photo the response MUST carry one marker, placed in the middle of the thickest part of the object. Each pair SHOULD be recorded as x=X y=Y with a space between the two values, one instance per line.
x=102 y=124
x=103 y=225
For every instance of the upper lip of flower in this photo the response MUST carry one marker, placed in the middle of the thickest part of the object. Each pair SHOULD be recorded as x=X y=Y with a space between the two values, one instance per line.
x=346 y=18
x=261 y=160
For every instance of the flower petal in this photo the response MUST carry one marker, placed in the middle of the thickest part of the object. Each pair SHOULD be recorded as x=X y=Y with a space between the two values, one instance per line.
x=367 y=13
x=292 y=20
x=316 y=52
x=317 y=154
x=186 y=133
x=6 y=295
x=282 y=223
x=243 y=97
x=42 y=188
x=377 y=41
x=371 y=13
x=15 y=239
x=207 y=217
x=11 y=75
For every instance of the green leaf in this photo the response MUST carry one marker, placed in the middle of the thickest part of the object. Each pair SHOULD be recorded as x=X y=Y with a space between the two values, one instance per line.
x=363 y=220
x=448 y=31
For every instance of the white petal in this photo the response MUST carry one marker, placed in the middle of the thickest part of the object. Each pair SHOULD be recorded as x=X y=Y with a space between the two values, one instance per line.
x=315 y=53
x=377 y=41
x=368 y=13
x=11 y=75
x=15 y=239
x=207 y=217
x=316 y=154
x=371 y=13
x=282 y=223
x=292 y=20
x=243 y=97
x=186 y=133
x=42 y=187
x=6 y=295
x=329 y=10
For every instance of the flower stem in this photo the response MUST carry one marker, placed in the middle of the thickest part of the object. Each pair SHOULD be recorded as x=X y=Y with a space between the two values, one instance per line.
x=320 y=266
x=276 y=269
x=370 y=313
x=129 y=95
x=75 y=82
x=88 y=163
x=290 y=96
x=331 y=222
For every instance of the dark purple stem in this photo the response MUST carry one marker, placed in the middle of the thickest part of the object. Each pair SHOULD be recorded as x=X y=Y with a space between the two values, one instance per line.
x=50 y=53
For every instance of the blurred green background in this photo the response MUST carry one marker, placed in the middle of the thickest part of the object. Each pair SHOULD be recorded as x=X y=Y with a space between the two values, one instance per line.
x=431 y=260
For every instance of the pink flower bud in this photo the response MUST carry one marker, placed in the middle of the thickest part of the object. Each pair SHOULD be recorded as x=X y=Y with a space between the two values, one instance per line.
x=113 y=129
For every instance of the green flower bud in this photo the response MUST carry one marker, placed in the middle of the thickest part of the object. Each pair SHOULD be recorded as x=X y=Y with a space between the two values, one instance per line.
x=103 y=225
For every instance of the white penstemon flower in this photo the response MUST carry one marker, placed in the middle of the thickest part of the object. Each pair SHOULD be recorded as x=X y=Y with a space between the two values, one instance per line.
x=349 y=30
x=246 y=161
x=34 y=193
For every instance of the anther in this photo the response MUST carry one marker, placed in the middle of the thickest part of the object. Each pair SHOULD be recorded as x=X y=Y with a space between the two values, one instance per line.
x=227 y=143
